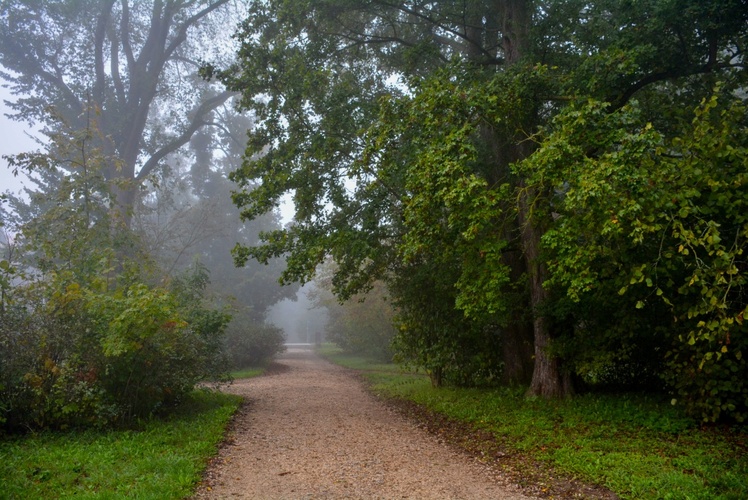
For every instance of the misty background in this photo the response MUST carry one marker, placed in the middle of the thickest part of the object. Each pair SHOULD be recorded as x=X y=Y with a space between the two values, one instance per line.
x=300 y=319
x=15 y=137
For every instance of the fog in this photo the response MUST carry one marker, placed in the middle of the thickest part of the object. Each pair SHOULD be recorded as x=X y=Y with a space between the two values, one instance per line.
x=300 y=320
x=180 y=213
x=15 y=137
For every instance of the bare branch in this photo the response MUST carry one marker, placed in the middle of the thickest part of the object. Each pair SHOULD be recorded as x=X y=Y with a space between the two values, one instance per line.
x=191 y=21
x=198 y=120
x=125 y=30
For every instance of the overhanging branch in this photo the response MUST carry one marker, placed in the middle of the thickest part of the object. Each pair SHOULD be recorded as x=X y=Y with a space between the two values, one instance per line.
x=198 y=121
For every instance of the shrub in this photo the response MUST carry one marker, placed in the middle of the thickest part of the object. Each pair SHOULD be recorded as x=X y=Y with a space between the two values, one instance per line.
x=82 y=357
x=49 y=366
x=251 y=344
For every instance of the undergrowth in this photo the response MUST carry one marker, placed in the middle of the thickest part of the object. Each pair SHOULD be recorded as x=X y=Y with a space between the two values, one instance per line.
x=636 y=445
x=159 y=458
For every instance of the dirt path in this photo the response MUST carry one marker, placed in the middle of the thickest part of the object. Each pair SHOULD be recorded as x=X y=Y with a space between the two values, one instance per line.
x=311 y=431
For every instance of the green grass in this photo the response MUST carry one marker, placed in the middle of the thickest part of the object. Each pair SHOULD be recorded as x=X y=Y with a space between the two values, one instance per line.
x=361 y=363
x=639 y=446
x=247 y=373
x=163 y=458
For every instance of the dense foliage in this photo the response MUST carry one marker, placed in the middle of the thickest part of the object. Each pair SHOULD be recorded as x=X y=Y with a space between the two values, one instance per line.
x=106 y=314
x=87 y=337
x=565 y=175
x=655 y=225
x=551 y=192
x=76 y=354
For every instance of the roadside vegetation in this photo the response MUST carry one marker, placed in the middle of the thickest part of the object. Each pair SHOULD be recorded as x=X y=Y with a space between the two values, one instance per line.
x=569 y=211
x=247 y=373
x=157 y=458
x=636 y=445
x=118 y=293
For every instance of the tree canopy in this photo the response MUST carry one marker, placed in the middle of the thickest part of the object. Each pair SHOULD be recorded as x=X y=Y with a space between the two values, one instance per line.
x=552 y=193
x=134 y=63
x=508 y=168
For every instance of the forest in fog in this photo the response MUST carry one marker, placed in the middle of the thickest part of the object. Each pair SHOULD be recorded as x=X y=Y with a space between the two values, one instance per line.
x=546 y=194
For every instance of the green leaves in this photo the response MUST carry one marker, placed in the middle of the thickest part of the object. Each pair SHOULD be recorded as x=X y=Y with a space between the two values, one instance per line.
x=662 y=220
x=443 y=185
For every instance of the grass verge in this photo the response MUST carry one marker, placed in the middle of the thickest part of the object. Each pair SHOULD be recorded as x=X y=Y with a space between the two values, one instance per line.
x=163 y=458
x=247 y=373
x=360 y=363
x=634 y=445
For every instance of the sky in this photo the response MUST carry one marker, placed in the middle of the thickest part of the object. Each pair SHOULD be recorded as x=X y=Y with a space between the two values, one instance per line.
x=13 y=140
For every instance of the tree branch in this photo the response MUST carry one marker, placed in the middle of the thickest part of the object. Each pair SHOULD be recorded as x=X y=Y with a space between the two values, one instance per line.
x=197 y=122
x=623 y=98
x=124 y=31
x=99 y=37
x=490 y=58
x=182 y=30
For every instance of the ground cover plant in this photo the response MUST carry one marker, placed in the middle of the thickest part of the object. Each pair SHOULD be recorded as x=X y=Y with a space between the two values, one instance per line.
x=159 y=458
x=335 y=354
x=635 y=445
x=247 y=373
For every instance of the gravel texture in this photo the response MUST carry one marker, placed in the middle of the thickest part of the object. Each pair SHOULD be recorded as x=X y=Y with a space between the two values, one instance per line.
x=310 y=430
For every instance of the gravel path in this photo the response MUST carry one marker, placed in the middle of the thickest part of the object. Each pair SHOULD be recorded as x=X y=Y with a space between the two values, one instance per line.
x=311 y=431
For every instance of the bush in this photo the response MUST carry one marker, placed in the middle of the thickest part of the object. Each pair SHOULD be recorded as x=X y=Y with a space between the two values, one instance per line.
x=49 y=372
x=363 y=324
x=250 y=344
x=207 y=322
x=81 y=357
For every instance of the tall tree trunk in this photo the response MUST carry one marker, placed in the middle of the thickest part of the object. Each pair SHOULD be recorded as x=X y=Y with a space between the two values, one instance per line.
x=517 y=335
x=124 y=204
x=548 y=379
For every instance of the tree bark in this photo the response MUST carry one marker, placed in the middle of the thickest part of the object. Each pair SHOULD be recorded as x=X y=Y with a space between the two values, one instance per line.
x=548 y=379
x=517 y=335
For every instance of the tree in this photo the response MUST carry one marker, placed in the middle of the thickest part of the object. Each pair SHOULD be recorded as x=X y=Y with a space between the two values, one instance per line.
x=189 y=215
x=362 y=325
x=137 y=70
x=439 y=164
x=86 y=340
x=325 y=110
x=657 y=223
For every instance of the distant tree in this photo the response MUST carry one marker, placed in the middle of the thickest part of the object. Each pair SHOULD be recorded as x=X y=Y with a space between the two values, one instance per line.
x=134 y=63
x=363 y=324
x=188 y=214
